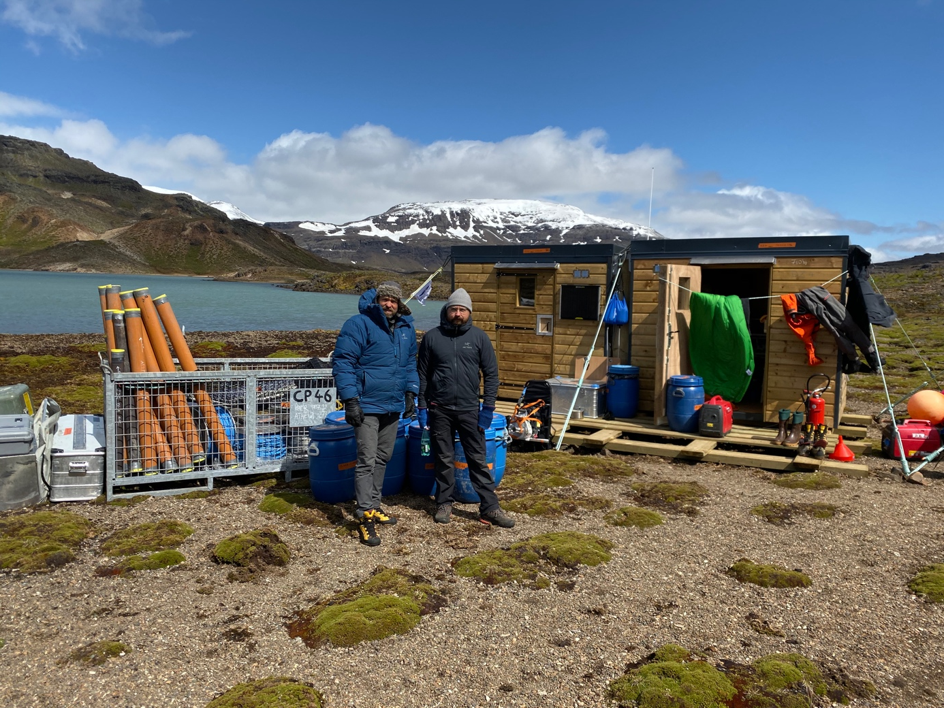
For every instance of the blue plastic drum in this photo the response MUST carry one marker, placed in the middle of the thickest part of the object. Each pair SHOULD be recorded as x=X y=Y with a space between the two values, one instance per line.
x=395 y=474
x=332 y=457
x=622 y=396
x=684 y=396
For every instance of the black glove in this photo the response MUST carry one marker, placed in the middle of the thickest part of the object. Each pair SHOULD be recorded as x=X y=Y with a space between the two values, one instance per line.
x=410 y=410
x=353 y=415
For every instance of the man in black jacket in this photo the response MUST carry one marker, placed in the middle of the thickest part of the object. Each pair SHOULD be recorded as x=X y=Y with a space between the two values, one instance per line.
x=450 y=360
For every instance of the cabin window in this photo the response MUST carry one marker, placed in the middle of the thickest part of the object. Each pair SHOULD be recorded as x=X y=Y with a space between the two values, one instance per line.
x=526 y=288
x=580 y=302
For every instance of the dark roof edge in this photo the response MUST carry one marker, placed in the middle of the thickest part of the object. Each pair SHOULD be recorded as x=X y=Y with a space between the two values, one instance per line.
x=770 y=246
x=589 y=253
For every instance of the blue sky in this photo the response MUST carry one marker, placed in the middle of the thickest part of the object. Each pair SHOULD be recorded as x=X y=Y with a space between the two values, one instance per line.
x=758 y=118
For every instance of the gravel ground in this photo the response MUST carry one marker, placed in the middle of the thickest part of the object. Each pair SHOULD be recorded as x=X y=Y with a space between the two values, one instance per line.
x=503 y=645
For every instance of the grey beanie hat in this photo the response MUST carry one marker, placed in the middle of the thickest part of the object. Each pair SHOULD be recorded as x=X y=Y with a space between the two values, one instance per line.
x=460 y=297
x=389 y=288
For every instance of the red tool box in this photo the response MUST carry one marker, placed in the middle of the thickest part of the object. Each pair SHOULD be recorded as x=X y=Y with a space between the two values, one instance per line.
x=715 y=417
x=918 y=437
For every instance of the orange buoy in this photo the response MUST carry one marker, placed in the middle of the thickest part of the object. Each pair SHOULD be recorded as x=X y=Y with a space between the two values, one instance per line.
x=927 y=405
x=841 y=452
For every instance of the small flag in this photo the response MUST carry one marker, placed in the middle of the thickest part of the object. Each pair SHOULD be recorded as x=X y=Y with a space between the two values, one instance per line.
x=423 y=293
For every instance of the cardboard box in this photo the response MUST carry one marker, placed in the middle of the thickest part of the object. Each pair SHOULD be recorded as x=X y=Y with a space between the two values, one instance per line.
x=597 y=369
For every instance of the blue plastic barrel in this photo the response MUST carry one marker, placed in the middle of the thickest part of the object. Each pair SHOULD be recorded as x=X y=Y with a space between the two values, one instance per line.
x=332 y=457
x=422 y=476
x=622 y=396
x=684 y=395
x=395 y=474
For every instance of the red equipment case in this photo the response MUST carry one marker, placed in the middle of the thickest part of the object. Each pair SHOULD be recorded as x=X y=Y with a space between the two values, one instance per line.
x=715 y=417
x=918 y=437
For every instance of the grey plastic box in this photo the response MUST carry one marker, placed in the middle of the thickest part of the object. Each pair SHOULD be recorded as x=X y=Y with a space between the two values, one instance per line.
x=16 y=434
x=591 y=400
x=78 y=458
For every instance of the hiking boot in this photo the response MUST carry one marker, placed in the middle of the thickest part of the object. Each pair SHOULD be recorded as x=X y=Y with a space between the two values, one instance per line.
x=784 y=418
x=806 y=441
x=497 y=517
x=381 y=517
x=820 y=442
x=443 y=514
x=366 y=532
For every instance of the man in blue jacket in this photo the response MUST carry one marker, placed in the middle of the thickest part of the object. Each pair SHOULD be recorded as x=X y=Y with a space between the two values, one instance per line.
x=375 y=374
x=452 y=358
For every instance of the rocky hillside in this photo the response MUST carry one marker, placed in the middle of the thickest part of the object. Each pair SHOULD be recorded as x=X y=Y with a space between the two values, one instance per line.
x=413 y=237
x=61 y=213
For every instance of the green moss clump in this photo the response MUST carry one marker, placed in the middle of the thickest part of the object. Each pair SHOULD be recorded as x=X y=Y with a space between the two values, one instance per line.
x=122 y=501
x=929 y=582
x=780 y=671
x=538 y=471
x=96 y=653
x=254 y=549
x=674 y=684
x=569 y=548
x=552 y=506
x=301 y=509
x=273 y=692
x=153 y=561
x=672 y=652
x=389 y=602
x=779 y=513
x=633 y=516
x=286 y=354
x=675 y=497
x=199 y=494
x=41 y=541
x=768 y=576
x=151 y=536
x=807 y=480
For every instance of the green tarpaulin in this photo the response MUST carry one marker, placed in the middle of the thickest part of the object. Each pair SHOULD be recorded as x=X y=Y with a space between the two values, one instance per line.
x=719 y=345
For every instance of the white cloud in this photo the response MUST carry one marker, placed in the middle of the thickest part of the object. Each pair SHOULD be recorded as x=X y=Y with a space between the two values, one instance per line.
x=69 y=20
x=915 y=245
x=11 y=106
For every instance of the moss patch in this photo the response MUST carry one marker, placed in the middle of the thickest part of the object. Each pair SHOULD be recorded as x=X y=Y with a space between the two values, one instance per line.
x=553 y=506
x=633 y=516
x=768 y=576
x=301 y=508
x=96 y=653
x=153 y=561
x=929 y=582
x=539 y=471
x=807 y=480
x=675 y=497
x=41 y=541
x=253 y=551
x=122 y=501
x=151 y=536
x=675 y=682
x=780 y=513
x=273 y=692
x=390 y=602
x=199 y=494
x=531 y=562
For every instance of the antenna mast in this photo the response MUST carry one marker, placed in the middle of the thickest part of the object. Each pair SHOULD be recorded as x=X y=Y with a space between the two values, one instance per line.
x=652 y=182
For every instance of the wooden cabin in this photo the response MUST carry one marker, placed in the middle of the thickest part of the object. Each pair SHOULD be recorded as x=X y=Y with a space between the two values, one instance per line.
x=664 y=273
x=540 y=305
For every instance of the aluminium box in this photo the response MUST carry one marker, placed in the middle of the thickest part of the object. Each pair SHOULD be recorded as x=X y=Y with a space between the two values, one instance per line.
x=16 y=434
x=78 y=458
x=591 y=400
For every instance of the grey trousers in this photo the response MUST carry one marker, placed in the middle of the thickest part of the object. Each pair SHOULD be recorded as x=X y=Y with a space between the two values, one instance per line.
x=375 y=437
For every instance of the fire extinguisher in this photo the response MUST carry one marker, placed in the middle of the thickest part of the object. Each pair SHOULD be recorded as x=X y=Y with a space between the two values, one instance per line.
x=814 y=402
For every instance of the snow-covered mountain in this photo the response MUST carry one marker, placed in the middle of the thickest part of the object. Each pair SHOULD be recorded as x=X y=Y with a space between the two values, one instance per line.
x=231 y=211
x=416 y=236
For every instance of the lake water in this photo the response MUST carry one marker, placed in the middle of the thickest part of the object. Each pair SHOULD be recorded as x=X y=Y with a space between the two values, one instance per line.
x=53 y=303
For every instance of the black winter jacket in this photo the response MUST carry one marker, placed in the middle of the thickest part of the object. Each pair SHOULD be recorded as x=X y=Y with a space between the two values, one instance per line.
x=449 y=363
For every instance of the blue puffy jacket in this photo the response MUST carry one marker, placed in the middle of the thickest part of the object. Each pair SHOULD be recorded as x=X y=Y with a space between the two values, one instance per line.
x=373 y=362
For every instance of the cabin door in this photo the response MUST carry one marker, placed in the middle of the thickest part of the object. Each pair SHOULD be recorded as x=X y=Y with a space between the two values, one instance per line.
x=525 y=326
x=676 y=283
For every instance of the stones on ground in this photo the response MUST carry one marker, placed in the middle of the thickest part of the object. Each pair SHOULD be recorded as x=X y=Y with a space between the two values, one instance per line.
x=633 y=516
x=929 y=582
x=251 y=552
x=807 y=480
x=273 y=692
x=553 y=506
x=96 y=653
x=672 y=676
x=532 y=561
x=768 y=576
x=674 y=497
x=391 y=601
x=41 y=541
x=151 y=536
x=302 y=509
x=780 y=513
x=763 y=626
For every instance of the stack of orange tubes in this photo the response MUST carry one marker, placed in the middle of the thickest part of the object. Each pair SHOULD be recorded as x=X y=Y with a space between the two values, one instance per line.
x=157 y=432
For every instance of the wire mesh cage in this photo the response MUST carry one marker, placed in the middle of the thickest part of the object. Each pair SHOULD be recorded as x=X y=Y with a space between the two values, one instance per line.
x=168 y=433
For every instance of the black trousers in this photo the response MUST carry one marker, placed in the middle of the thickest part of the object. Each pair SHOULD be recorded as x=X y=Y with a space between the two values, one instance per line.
x=443 y=426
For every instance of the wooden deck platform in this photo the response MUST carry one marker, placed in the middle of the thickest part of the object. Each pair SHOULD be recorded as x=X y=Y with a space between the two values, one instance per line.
x=744 y=446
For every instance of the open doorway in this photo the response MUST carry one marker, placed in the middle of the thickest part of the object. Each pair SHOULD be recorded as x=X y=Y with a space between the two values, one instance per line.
x=746 y=281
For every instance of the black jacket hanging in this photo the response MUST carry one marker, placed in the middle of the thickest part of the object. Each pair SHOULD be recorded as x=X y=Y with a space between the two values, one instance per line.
x=863 y=303
x=834 y=317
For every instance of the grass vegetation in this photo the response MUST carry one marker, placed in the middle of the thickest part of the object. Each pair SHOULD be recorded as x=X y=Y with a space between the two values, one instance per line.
x=390 y=602
x=768 y=576
x=41 y=540
x=781 y=513
x=674 y=497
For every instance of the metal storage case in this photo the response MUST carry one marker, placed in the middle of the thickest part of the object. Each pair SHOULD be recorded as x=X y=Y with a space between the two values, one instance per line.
x=15 y=399
x=77 y=471
x=19 y=479
x=591 y=400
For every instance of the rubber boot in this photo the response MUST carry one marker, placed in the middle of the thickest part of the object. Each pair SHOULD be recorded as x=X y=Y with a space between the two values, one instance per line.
x=793 y=437
x=819 y=442
x=806 y=441
x=784 y=424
